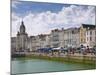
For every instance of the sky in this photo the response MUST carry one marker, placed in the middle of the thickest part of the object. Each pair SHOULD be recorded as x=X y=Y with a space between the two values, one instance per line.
x=41 y=18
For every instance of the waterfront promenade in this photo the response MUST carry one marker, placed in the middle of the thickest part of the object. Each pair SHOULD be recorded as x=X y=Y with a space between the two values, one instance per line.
x=88 y=58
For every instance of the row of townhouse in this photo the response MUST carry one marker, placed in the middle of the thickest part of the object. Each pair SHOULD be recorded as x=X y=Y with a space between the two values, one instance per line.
x=65 y=37
x=71 y=37
x=74 y=37
x=39 y=41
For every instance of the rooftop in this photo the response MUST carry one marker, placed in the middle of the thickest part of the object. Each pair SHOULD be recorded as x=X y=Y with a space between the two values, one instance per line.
x=89 y=26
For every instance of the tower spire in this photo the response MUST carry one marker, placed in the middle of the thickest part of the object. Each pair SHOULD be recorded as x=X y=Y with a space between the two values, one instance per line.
x=22 y=27
x=22 y=23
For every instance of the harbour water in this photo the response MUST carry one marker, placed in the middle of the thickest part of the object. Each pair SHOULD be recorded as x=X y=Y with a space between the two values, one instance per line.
x=22 y=65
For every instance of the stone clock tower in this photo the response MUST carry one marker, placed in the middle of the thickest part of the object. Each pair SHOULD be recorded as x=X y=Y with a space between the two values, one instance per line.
x=22 y=38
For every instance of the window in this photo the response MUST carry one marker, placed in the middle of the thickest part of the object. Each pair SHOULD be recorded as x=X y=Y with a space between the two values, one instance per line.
x=90 y=32
x=81 y=40
x=90 y=38
x=72 y=32
x=87 y=32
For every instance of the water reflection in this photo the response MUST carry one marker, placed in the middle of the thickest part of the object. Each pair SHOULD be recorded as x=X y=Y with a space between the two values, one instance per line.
x=36 y=65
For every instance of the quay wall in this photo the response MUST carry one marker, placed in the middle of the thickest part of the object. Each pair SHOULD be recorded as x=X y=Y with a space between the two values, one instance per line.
x=85 y=59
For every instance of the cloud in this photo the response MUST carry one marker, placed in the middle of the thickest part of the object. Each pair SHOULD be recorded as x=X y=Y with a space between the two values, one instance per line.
x=14 y=3
x=15 y=23
x=72 y=16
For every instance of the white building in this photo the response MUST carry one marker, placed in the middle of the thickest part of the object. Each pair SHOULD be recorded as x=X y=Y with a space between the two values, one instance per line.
x=42 y=40
x=91 y=37
x=61 y=37
x=65 y=37
x=55 y=42
x=71 y=37
x=48 y=40
x=32 y=43
x=75 y=37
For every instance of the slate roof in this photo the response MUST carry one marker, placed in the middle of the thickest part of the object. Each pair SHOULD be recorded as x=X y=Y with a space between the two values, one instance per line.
x=89 y=26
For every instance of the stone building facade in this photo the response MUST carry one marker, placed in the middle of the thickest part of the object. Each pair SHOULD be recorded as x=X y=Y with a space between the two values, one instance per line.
x=91 y=37
x=65 y=37
x=87 y=31
x=22 y=39
x=55 y=38
x=71 y=37
x=13 y=44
